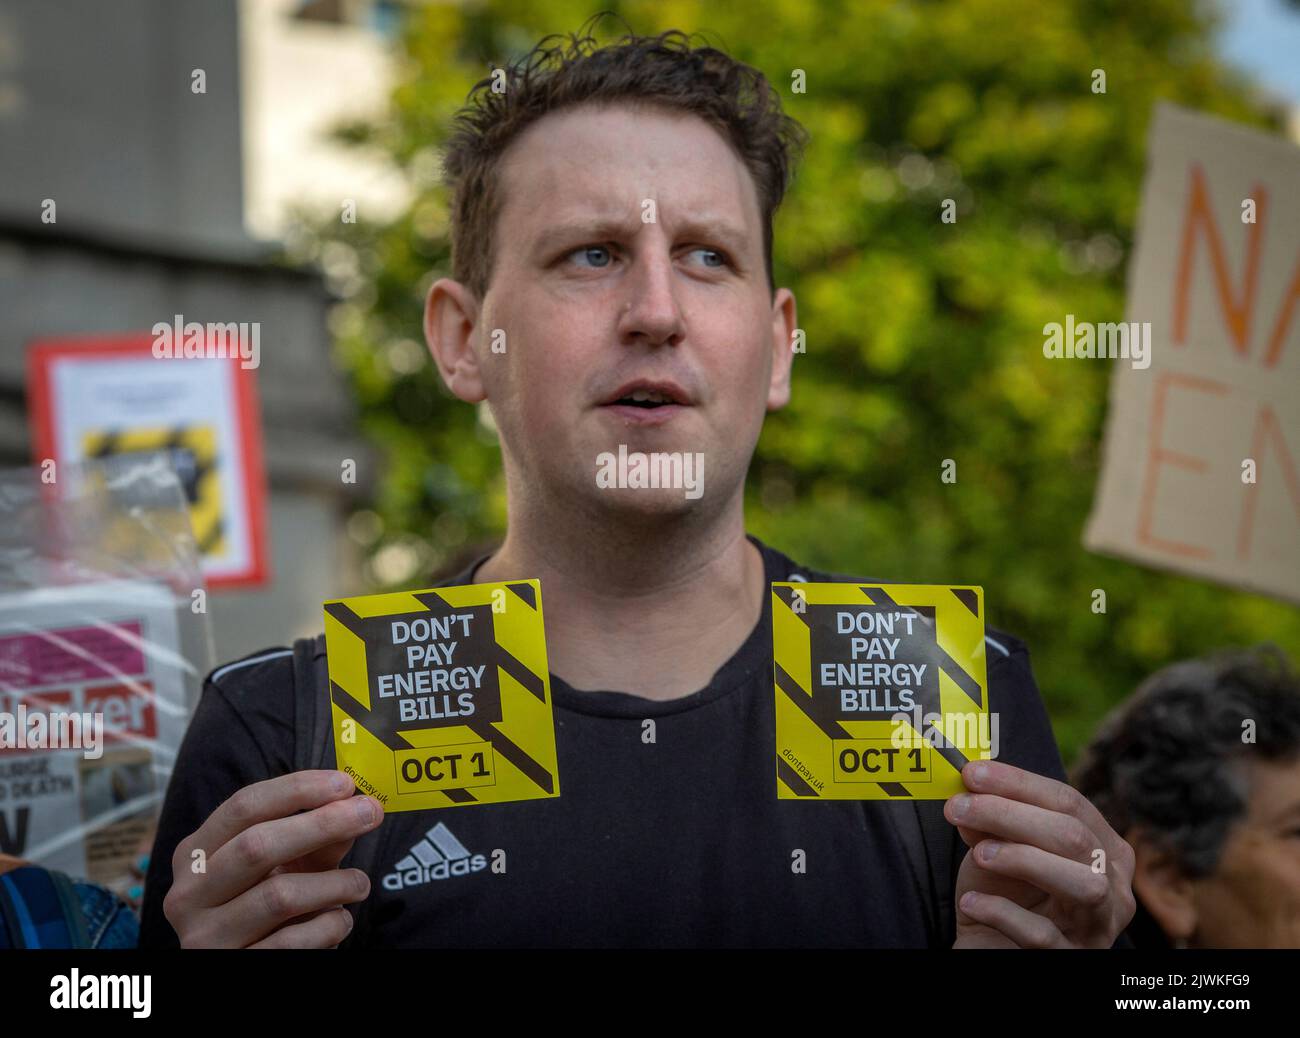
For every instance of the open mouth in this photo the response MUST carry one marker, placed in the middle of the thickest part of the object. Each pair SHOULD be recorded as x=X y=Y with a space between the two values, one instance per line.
x=648 y=395
x=645 y=399
x=647 y=402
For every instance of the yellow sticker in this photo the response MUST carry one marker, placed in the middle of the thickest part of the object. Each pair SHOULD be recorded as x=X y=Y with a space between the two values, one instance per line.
x=881 y=690
x=193 y=451
x=442 y=698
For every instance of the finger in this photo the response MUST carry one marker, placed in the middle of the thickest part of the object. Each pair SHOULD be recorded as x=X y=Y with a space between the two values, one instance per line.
x=252 y=854
x=1028 y=929
x=275 y=798
x=1018 y=822
x=1063 y=877
x=281 y=899
x=971 y=837
x=1014 y=783
x=321 y=859
x=325 y=930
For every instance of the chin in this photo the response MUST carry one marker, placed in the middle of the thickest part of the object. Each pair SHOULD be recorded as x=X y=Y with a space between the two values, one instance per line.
x=627 y=503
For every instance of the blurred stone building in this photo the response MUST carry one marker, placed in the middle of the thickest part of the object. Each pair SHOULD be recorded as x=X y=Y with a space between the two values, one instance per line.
x=150 y=179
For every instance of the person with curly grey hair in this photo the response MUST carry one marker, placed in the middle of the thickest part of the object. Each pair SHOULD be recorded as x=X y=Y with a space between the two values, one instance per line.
x=1200 y=772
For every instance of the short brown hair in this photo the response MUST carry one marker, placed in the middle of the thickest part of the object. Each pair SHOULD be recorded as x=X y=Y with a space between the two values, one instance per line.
x=565 y=71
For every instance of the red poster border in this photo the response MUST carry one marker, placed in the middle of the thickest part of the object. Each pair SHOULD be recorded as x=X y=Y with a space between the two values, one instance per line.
x=42 y=354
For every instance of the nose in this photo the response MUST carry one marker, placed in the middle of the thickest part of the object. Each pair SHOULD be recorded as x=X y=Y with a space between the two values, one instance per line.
x=651 y=315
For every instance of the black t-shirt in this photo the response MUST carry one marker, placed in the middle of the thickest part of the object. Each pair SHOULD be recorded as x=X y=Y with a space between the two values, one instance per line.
x=679 y=842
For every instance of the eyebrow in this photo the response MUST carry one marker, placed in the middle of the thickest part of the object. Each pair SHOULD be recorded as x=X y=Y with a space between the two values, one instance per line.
x=580 y=230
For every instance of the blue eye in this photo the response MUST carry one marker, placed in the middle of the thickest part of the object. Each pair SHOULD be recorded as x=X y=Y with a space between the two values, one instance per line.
x=722 y=258
x=587 y=251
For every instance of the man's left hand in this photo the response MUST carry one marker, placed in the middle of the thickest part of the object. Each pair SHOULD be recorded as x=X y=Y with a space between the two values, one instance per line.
x=1058 y=876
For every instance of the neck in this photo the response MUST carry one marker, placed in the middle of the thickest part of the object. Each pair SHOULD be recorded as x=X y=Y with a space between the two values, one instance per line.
x=652 y=609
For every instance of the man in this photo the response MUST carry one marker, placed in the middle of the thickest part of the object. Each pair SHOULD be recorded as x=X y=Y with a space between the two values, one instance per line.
x=612 y=230
x=1200 y=770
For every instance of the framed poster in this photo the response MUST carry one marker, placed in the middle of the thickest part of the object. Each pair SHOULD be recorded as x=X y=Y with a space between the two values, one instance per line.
x=100 y=397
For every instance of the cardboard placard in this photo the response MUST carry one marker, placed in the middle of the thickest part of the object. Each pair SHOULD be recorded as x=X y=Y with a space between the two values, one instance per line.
x=881 y=690
x=442 y=698
x=1202 y=456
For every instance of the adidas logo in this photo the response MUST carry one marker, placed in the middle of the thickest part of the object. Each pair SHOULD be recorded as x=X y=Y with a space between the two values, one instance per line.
x=437 y=855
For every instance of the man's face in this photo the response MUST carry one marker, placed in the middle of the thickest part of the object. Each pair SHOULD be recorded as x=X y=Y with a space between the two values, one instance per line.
x=1253 y=898
x=629 y=263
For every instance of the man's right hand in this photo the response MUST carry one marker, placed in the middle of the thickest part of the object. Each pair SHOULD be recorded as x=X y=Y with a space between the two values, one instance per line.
x=268 y=874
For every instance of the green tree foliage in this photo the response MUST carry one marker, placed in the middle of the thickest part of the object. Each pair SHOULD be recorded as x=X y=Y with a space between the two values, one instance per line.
x=924 y=339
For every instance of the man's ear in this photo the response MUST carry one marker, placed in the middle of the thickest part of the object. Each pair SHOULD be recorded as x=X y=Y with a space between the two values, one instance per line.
x=1164 y=890
x=784 y=319
x=451 y=315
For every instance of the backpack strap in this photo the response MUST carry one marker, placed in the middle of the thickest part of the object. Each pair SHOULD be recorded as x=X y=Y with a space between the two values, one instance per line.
x=943 y=847
x=313 y=748
x=927 y=839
